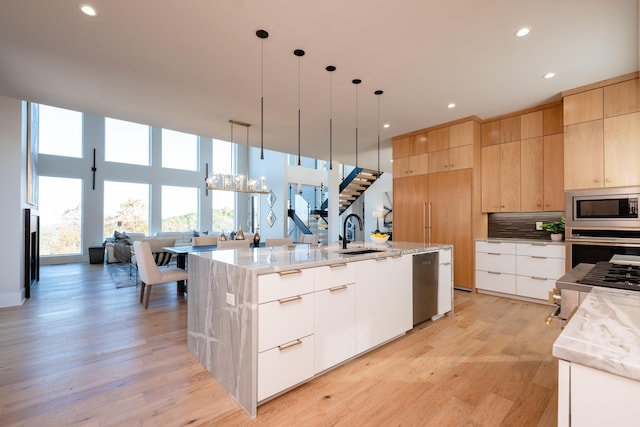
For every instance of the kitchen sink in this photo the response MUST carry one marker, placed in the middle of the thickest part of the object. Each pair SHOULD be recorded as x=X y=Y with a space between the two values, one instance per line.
x=360 y=251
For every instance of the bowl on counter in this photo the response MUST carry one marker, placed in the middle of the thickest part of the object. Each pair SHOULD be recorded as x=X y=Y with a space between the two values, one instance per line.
x=379 y=239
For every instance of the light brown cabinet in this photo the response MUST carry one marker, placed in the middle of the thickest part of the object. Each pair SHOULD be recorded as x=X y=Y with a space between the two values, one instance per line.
x=410 y=204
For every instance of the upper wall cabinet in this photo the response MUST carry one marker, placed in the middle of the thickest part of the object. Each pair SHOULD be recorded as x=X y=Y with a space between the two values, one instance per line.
x=522 y=161
x=602 y=130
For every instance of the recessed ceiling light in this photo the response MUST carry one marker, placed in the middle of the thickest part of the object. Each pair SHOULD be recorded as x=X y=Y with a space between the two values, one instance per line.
x=451 y=105
x=88 y=10
x=386 y=125
x=549 y=75
x=522 y=32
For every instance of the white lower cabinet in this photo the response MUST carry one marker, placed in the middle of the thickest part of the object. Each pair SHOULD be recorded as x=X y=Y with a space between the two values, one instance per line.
x=285 y=366
x=445 y=281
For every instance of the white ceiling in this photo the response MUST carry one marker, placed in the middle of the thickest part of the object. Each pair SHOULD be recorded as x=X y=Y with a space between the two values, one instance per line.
x=193 y=65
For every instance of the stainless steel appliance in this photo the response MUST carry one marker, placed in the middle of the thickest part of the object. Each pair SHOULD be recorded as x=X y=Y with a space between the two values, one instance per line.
x=425 y=286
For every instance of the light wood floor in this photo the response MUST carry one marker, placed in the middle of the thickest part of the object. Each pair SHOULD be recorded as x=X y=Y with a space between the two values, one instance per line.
x=81 y=352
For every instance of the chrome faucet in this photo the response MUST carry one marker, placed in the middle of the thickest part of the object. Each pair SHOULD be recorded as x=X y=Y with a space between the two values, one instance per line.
x=344 y=228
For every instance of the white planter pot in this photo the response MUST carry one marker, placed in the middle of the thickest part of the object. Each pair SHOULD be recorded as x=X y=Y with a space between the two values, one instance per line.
x=556 y=237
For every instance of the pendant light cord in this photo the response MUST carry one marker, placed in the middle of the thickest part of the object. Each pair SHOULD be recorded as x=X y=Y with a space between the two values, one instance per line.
x=299 y=53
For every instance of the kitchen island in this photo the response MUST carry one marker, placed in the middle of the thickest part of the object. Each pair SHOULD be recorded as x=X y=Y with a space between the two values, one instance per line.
x=599 y=366
x=265 y=320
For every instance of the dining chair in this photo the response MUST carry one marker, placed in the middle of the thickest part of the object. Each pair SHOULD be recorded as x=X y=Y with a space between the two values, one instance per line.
x=233 y=244
x=204 y=241
x=310 y=238
x=278 y=242
x=150 y=274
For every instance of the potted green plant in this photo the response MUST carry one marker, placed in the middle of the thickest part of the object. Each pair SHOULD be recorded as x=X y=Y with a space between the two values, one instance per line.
x=555 y=228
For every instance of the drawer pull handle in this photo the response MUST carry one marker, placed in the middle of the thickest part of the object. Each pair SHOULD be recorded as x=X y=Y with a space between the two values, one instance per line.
x=538 y=244
x=290 y=299
x=396 y=256
x=493 y=253
x=290 y=272
x=538 y=257
x=381 y=258
x=446 y=263
x=340 y=264
x=338 y=288
x=493 y=242
x=538 y=278
x=289 y=345
x=493 y=272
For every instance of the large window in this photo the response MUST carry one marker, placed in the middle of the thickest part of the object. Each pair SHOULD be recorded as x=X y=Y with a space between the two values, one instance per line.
x=222 y=202
x=60 y=215
x=179 y=208
x=60 y=132
x=179 y=150
x=126 y=207
x=126 y=142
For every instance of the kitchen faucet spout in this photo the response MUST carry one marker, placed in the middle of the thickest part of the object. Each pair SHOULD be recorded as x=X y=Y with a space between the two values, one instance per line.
x=344 y=228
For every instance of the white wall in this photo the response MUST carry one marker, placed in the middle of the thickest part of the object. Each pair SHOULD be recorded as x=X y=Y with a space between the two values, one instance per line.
x=13 y=196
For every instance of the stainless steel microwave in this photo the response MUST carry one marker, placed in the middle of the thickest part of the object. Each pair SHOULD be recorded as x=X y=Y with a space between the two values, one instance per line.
x=603 y=208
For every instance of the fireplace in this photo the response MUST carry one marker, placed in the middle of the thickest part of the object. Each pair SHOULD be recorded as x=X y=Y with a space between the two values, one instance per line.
x=31 y=249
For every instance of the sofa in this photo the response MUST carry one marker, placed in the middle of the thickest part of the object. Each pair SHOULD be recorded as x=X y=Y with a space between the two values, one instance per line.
x=120 y=246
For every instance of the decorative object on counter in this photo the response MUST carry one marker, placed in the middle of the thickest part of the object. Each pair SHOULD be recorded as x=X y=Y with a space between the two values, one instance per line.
x=379 y=238
x=232 y=235
x=222 y=236
x=256 y=238
x=555 y=228
x=239 y=234
x=378 y=213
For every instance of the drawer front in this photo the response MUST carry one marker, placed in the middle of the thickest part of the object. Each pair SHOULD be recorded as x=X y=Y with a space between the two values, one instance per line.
x=495 y=262
x=498 y=282
x=541 y=249
x=285 y=320
x=499 y=247
x=547 y=268
x=534 y=287
x=285 y=366
x=338 y=274
x=444 y=256
x=275 y=286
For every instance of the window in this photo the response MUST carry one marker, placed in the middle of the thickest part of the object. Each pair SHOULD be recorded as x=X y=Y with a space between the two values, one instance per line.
x=179 y=150
x=222 y=202
x=60 y=215
x=126 y=142
x=126 y=207
x=60 y=132
x=179 y=208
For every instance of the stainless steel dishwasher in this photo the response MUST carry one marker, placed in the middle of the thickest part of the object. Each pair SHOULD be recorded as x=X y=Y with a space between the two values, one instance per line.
x=425 y=286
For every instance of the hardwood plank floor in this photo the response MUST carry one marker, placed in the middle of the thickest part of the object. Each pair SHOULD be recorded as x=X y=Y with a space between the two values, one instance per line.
x=81 y=352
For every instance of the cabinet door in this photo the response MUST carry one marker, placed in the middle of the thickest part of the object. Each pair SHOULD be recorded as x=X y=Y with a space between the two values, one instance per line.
x=439 y=161
x=419 y=164
x=445 y=281
x=335 y=326
x=553 y=162
x=491 y=178
x=461 y=157
x=401 y=147
x=497 y=282
x=384 y=300
x=622 y=150
x=510 y=176
x=532 y=171
x=438 y=139
x=583 y=106
x=584 y=167
x=283 y=321
x=410 y=196
x=285 y=366
x=461 y=134
x=402 y=167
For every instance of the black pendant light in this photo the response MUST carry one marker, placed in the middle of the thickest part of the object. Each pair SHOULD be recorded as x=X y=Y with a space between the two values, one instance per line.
x=299 y=53
x=330 y=69
x=356 y=82
x=378 y=92
x=262 y=34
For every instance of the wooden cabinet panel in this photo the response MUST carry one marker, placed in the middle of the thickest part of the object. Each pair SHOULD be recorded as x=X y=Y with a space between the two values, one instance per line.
x=461 y=157
x=622 y=98
x=420 y=144
x=491 y=133
x=553 y=173
x=491 y=178
x=532 y=172
x=584 y=162
x=510 y=177
x=510 y=129
x=439 y=161
x=401 y=147
x=410 y=195
x=402 y=167
x=531 y=125
x=461 y=134
x=419 y=164
x=622 y=150
x=583 y=107
x=552 y=120
x=438 y=139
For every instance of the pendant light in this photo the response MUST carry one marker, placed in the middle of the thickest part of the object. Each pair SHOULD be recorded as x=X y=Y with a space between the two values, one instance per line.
x=356 y=82
x=378 y=93
x=262 y=34
x=299 y=53
x=330 y=69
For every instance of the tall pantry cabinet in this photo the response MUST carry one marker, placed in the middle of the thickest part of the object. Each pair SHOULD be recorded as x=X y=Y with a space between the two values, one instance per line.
x=433 y=197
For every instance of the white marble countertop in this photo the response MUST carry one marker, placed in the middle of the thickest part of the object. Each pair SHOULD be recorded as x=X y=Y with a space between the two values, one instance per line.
x=516 y=240
x=282 y=258
x=604 y=333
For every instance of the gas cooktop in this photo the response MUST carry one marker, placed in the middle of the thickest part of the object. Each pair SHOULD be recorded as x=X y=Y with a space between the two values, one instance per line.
x=613 y=275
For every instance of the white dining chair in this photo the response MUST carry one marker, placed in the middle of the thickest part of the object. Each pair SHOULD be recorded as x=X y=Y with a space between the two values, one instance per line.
x=204 y=241
x=233 y=244
x=278 y=242
x=310 y=238
x=150 y=274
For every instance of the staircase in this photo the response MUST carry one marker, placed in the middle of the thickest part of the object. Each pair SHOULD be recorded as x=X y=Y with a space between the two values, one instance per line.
x=354 y=185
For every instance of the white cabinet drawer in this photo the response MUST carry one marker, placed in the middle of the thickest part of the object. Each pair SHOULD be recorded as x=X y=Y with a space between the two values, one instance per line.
x=498 y=282
x=541 y=249
x=499 y=247
x=444 y=256
x=535 y=266
x=329 y=276
x=534 y=287
x=496 y=262
x=285 y=284
x=285 y=366
x=285 y=320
